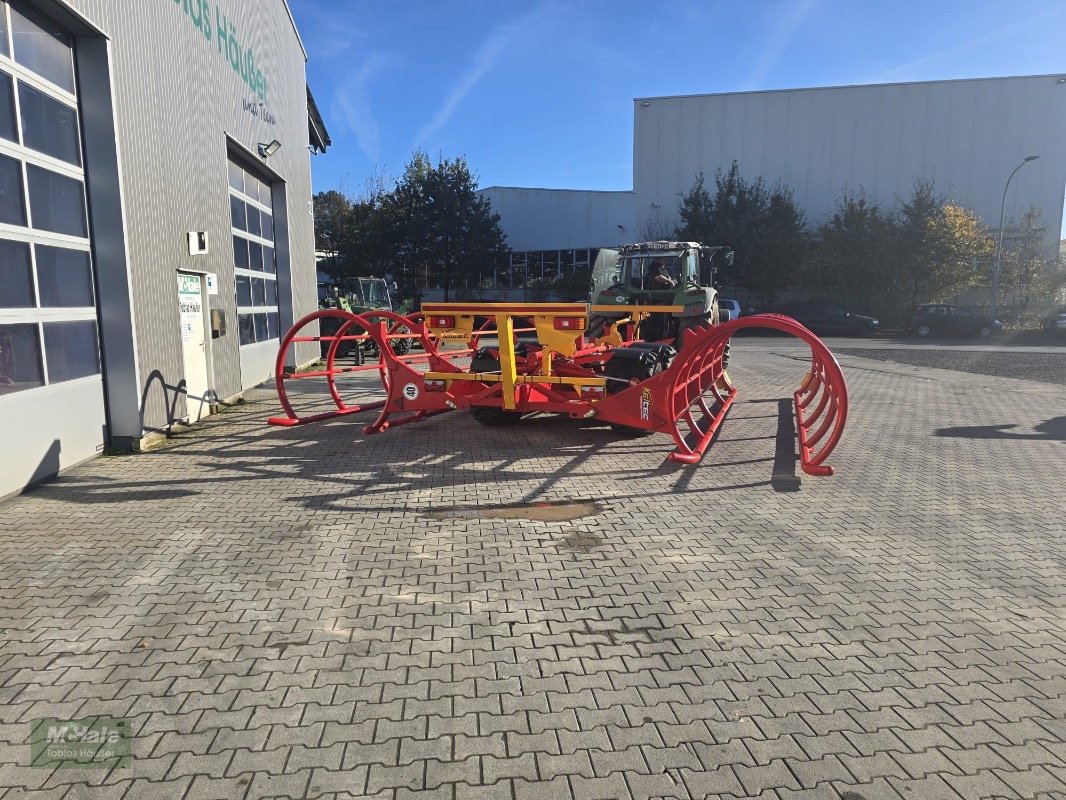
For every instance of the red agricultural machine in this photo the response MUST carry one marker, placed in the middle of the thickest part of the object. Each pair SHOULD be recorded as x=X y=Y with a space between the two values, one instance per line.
x=505 y=360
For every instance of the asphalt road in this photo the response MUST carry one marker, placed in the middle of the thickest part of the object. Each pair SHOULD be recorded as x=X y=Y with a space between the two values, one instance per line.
x=1047 y=367
x=1033 y=357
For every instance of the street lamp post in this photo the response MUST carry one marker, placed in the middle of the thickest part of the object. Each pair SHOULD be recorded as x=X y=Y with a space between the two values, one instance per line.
x=999 y=244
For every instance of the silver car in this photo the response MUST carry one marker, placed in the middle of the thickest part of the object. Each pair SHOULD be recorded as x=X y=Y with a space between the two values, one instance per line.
x=728 y=309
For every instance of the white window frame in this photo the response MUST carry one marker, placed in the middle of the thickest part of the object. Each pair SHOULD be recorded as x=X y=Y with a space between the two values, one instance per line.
x=37 y=315
x=260 y=240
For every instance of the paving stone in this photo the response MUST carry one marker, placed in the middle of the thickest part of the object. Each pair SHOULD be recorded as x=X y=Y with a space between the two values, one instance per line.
x=315 y=621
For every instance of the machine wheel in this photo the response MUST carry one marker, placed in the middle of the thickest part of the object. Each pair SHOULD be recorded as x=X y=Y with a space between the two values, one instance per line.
x=923 y=331
x=984 y=331
x=484 y=361
x=495 y=417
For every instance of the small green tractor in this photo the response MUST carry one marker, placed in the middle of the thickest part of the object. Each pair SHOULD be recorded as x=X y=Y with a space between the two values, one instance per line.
x=361 y=296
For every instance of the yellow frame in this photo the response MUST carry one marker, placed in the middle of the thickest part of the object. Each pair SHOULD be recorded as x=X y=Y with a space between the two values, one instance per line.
x=551 y=339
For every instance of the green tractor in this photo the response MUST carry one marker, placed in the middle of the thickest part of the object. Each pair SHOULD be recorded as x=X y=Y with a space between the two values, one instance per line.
x=662 y=274
x=361 y=296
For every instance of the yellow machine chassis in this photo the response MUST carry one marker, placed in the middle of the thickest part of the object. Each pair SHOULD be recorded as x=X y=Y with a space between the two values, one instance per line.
x=455 y=320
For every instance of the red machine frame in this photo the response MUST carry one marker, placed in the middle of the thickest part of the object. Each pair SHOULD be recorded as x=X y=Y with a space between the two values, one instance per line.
x=560 y=372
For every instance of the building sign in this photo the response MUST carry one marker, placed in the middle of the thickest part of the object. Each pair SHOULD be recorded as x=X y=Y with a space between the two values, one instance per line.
x=190 y=304
x=214 y=24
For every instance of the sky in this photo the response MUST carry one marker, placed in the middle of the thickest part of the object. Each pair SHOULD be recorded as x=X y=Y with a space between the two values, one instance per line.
x=540 y=93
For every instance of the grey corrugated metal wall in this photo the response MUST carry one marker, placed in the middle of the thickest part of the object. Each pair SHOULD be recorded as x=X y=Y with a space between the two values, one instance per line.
x=966 y=135
x=176 y=100
x=565 y=218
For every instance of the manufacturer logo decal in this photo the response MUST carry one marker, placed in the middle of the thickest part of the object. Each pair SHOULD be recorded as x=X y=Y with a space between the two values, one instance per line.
x=410 y=391
x=645 y=404
x=620 y=299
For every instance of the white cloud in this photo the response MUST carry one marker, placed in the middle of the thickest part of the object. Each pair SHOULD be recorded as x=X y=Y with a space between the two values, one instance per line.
x=916 y=69
x=482 y=63
x=789 y=17
x=351 y=104
x=329 y=30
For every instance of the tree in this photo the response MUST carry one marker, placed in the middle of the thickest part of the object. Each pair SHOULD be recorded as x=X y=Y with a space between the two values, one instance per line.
x=697 y=213
x=885 y=262
x=442 y=231
x=854 y=258
x=939 y=244
x=1029 y=271
x=763 y=225
x=655 y=227
x=332 y=212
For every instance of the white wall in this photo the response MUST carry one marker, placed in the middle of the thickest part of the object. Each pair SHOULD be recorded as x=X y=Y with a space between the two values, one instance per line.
x=965 y=135
x=562 y=219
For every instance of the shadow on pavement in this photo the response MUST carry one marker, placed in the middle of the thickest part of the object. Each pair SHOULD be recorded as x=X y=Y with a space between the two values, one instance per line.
x=1053 y=430
x=349 y=466
x=784 y=477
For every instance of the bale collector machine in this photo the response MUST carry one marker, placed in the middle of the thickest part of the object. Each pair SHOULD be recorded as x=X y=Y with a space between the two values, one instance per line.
x=503 y=361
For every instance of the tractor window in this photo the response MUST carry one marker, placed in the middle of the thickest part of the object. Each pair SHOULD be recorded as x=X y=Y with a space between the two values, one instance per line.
x=639 y=271
x=692 y=267
x=374 y=293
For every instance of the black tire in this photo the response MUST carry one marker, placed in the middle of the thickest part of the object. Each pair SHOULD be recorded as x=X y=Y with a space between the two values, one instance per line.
x=402 y=347
x=984 y=331
x=489 y=416
x=495 y=417
x=923 y=331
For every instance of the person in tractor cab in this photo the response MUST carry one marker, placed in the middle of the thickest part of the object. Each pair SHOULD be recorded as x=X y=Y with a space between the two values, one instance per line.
x=661 y=276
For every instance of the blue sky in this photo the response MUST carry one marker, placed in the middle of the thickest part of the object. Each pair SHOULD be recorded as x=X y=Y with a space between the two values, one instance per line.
x=539 y=93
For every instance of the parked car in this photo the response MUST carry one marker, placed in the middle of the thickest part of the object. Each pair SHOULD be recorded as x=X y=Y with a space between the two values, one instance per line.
x=728 y=306
x=1055 y=321
x=939 y=319
x=827 y=318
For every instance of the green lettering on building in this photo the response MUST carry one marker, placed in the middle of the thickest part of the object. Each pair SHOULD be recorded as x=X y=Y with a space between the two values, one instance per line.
x=217 y=26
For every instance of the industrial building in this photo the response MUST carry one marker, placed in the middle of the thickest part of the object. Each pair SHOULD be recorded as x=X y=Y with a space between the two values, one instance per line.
x=155 y=217
x=964 y=135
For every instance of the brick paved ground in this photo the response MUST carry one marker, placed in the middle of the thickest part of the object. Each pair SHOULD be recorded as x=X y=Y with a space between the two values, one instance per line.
x=281 y=614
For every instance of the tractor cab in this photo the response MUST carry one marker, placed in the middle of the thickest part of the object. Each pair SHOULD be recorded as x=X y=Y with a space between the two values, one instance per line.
x=664 y=273
x=330 y=294
x=642 y=272
x=370 y=293
x=354 y=294
x=661 y=272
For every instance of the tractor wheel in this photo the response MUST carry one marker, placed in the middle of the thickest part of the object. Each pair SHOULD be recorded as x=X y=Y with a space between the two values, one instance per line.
x=495 y=417
x=402 y=347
